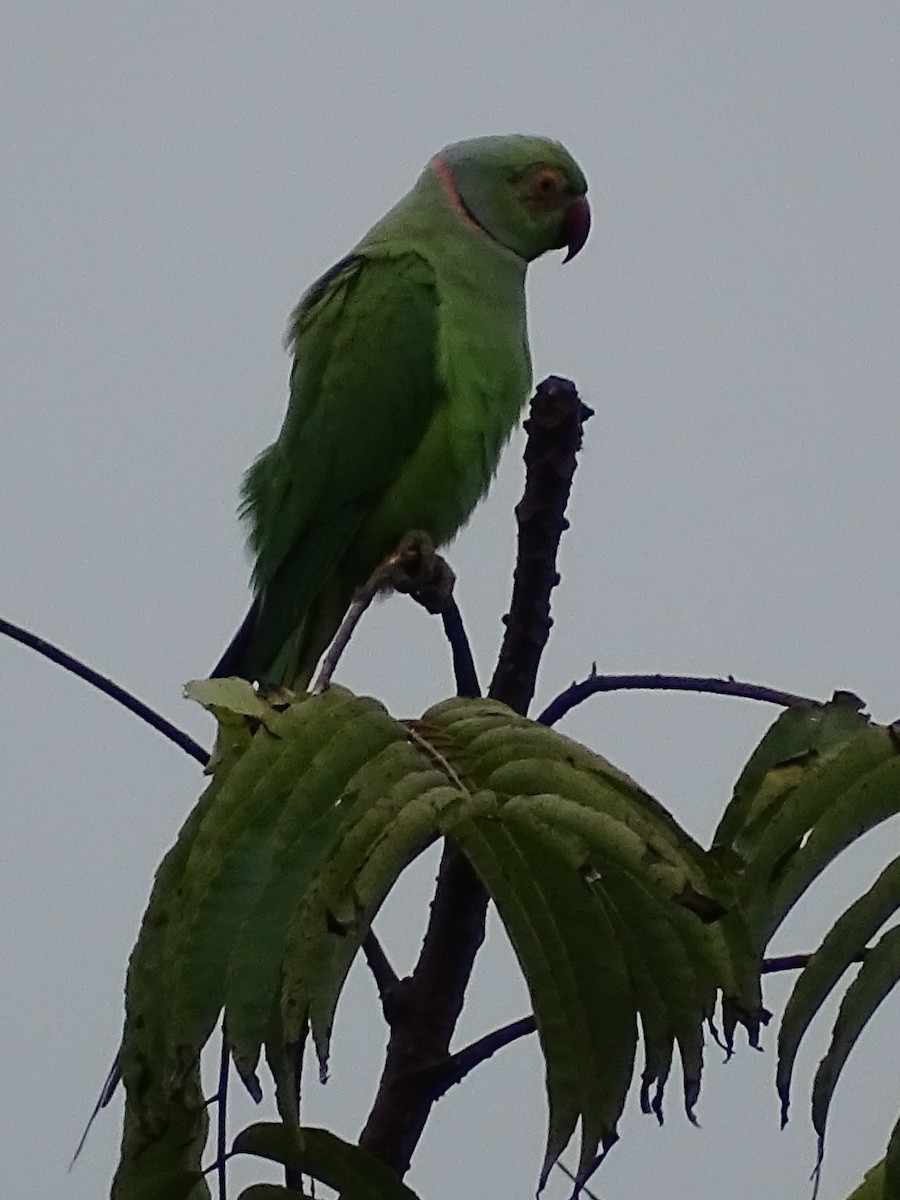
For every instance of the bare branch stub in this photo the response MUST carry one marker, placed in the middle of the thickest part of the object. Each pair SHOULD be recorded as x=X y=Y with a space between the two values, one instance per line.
x=412 y=1079
x=554 y=430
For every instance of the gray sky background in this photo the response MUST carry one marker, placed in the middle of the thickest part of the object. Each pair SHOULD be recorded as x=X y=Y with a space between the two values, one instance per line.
x=173 y=176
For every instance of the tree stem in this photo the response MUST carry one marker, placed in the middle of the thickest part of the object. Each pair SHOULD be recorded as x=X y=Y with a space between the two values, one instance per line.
x=432 y=997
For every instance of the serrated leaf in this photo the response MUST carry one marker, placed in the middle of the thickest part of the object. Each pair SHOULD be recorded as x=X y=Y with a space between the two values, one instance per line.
x=302 y=754
x=165 y=1123
x=679 y=1002
x=847 y=938
x=348 y=1169
x=505 y=752
x=573 y=966
x=879 y=973
x=876 y=798
x=722 y=950
x=314 y=807
x=377 y=870
x=206 y=886
x=380 y=792
x=228 y=698
x=803 y=738
x=836 y=802
x=238 y=709
x=223 y=878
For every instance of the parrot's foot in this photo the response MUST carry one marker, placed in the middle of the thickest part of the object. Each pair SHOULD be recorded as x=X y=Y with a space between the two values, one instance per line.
x=414 y=567
x=417 y=569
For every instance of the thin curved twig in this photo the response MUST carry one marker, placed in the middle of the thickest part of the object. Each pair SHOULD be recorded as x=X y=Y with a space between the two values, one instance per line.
x=105 y=685
x=796 y=962
x=428 y=578
x=463 y=663
x=576 y=693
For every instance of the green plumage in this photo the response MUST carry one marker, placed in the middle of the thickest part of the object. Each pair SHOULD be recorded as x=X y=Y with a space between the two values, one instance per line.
x=410 y=368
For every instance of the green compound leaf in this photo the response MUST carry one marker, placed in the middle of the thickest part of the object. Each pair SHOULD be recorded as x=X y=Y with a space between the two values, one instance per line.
x=227 y=891
x=878 y=975
x=166 y=1121
x=569 y=954
x=316 y=805
x=847 y=939
x=353 y=1172
x=834 y=804
x=801 y=740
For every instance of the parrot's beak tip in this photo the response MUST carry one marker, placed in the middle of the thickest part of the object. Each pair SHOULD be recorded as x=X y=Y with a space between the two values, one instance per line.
x=577 y=226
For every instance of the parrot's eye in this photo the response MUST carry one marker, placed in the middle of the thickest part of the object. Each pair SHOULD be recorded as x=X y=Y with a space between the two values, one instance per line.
x=544 y=189
x=545 y=185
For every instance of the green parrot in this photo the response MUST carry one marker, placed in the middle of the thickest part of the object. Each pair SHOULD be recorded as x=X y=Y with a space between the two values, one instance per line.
x=410 y=368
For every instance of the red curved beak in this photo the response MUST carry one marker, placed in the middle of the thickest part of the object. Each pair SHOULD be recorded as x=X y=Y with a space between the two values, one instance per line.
x=576 y=225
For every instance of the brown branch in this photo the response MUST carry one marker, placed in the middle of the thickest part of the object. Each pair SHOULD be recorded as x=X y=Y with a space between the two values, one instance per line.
x=386 y=980
x=433 y=1000
x=554 y=439
x=576 y=693
x=433 y=995
x=458 y=1065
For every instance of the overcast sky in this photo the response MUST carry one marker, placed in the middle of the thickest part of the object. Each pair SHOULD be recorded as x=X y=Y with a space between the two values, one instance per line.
x=173 y=176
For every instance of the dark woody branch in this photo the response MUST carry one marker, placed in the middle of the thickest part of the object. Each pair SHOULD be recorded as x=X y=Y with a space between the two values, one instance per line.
x=433 y=995
x=577 y=693
x=554 y=431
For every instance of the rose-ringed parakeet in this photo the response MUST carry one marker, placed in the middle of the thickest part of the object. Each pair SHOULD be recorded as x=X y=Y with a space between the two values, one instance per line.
x=410 y=368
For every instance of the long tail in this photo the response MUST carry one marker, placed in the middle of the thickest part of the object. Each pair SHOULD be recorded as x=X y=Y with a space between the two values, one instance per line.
x=233 y=661
x=306 y=638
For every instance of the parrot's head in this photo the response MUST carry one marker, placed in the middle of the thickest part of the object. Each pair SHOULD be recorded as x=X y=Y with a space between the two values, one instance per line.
x=527 y=193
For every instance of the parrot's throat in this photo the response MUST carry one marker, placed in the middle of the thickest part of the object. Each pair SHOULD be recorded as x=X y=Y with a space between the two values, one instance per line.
x=448 y=183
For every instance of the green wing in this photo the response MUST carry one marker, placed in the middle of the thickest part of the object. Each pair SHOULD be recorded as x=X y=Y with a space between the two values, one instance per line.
x=364 y=386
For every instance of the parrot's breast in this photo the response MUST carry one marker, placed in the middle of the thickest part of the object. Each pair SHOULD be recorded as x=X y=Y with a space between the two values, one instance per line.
x=483 y=380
